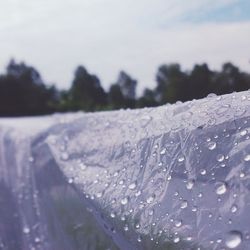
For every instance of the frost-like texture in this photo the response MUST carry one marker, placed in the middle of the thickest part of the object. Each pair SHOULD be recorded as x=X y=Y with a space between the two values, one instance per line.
x=172 y=177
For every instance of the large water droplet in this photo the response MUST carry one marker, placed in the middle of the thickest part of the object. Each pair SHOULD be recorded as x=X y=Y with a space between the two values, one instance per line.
x=190 y=184
x=234 y=209
x=211 y=145
x=247 y=157
x=184 y=204
x=124 y=201
x=178 y=223
x=243 y=132
x=150 y=199
x=132 y=186
x=221 y=188
x=139 y=239
x=233 y=239
x=176 y=239
x=26 y=230
x=163 y=151
x=181 y=158
x=220 y=157
x=203 y=171
x=112 y=215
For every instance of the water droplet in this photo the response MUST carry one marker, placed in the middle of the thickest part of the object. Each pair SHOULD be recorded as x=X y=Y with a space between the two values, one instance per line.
x=132 y=186
x=194 y=209
x=137 y=226
x=37 y=240
x=176 y=239
x=138 y=193
x=150 y=199
x=184 y=204
x=190 y=184
x=64 y=156
x=221 y=188
x=70 y=180
x=181 y=158
x=234 y=209
x=243 y=132
x=203 y=171
x=178 y=223
x=126 y=228
x=99 y=195
x=112 y=215
x=163 y=151
x=211 y=145
x=139 y=239
x=151 y=212
x=234 y=239
x=124 y=201
x=26 y=230
x=220 y=157
x=247 y=157
x=82 y=166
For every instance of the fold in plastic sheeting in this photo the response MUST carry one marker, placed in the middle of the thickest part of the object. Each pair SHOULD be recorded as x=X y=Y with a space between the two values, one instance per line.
x=172 y=177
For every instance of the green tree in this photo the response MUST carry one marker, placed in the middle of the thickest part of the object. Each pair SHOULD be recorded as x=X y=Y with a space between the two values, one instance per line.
x=86 y=92
x=23 y=92
x=171 y=84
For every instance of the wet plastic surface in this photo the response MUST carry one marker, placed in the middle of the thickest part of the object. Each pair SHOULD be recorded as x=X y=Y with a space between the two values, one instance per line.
x=172 y=177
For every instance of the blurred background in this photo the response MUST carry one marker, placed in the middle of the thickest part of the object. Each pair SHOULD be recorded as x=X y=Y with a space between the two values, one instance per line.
x=92 y=55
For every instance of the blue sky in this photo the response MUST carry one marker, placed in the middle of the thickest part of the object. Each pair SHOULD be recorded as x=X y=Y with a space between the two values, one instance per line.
x=107 y=36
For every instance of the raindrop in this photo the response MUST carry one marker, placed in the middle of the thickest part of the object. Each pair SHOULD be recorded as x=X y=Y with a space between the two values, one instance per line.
x=139 y=239
x=247 y=157
x=234 y=209
x=220 y=157
x=137 y=226
x=176 y=239
x=221 y=188
x=26 y=230
x=203 y=171
x=99 y=195
x=178 y=223
x=234 y=239
x=70 y=181
x=126 y=228
x=82 y=166
x=112 y=215
x=138 y=193
x=124 y=201
x=211 y=145
x=37 y=240
x=163 y=151
x=181 y=158
x=151 y=212
x=184 y=204
x=243 y=132
x=190 y=184
x=150 y=199
x=132 y=186
x=194 y=209
x=200 y=195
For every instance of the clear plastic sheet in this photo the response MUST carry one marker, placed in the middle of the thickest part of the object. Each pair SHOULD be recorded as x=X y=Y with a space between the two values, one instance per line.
x=172 y=177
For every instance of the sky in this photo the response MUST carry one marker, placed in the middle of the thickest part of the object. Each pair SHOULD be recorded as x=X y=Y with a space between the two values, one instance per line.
x=106 y=36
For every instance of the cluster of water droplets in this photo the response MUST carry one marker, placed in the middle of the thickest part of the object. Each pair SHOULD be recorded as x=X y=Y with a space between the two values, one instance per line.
x=169 y=180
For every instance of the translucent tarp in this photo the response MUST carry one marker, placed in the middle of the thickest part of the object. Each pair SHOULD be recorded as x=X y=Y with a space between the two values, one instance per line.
x=172 y=177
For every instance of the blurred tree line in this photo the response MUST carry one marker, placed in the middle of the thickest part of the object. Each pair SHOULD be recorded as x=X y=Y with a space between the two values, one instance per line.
x=24 y=93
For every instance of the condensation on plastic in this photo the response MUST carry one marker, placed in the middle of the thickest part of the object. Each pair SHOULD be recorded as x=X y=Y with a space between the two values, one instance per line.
x=172 y=177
